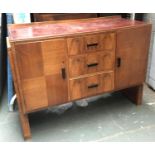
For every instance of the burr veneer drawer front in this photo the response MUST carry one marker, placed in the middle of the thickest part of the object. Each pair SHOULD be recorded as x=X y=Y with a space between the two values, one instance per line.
x=92 y=85
x=91 y=63
x=91 y=43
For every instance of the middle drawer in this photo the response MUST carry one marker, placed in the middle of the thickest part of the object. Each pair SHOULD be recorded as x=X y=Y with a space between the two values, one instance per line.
x=91 y=63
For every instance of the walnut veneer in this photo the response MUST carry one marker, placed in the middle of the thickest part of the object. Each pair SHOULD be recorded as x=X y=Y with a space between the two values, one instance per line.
x=58 y=62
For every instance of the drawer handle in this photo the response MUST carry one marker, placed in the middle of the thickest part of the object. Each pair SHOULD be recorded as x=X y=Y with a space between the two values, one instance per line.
x=93 y=86
x=118 y=62
x=92 y=45
x=63 y=73
x=92 y=65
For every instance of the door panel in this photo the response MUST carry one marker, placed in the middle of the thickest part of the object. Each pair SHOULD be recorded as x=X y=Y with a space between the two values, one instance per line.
x=57 y=90
x=132 y=53
x=55 y=70
x=30 y=66
x=29 y=60
x=35 y=95
x=54 y=56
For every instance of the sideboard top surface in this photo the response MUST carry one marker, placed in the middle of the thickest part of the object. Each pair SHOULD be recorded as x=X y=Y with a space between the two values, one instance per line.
x=40 y=30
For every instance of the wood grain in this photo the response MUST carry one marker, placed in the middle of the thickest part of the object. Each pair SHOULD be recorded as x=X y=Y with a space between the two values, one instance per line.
x=44 y=30
x=57 y=89
x=135 y=94
x=132 y=49
x=91 y=63
x=108 y=41
x=58 y=62
x=91 y=85
x=28 y=67
x=35 y=94
x=75 y=45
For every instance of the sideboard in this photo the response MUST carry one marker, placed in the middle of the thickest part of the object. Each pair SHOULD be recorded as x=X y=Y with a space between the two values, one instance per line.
x=56 y=62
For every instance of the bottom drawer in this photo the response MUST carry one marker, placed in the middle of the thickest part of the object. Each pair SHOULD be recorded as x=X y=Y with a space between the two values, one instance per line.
x=92 y=85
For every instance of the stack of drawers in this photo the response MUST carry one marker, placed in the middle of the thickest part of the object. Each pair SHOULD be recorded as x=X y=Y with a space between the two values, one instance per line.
x=91 y=64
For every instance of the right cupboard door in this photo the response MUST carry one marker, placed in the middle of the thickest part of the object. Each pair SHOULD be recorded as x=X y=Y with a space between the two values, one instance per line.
x=131 y=56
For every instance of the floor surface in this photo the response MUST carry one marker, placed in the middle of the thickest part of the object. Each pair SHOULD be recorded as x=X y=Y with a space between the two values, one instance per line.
x=110 y=118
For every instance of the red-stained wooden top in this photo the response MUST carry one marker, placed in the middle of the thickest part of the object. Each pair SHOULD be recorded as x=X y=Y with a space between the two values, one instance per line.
x=18 y=32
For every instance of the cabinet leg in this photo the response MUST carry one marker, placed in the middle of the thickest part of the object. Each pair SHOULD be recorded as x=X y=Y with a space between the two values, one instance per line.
x=135 y=94
x=25 y=125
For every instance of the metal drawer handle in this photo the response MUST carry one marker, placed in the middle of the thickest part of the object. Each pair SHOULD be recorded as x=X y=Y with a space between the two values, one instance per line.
x=92 y=45
x=92 y=65
x=93 y=86
x=63 y=73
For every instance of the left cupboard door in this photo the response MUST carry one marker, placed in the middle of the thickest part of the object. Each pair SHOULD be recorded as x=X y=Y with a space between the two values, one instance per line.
x=43 y=73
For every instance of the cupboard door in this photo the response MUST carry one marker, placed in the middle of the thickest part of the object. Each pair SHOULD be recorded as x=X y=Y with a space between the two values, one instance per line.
x=131 y=56
x=55 y=70
x=30 y=66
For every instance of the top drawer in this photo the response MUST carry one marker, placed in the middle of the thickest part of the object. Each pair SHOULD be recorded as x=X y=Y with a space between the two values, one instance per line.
x=91 y=43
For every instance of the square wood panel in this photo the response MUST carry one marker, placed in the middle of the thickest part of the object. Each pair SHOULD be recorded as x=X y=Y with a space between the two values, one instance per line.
x=35 y=94
x=29 y=60
x=54 y=55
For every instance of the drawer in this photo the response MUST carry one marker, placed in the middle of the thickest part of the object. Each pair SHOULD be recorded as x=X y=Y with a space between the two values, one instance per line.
x=91 y=63
x=92 y=85
x=91 y=43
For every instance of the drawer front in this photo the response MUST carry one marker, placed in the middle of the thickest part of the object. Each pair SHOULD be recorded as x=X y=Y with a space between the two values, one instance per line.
x=91 y=63
x=91 y=43
x=92 y=85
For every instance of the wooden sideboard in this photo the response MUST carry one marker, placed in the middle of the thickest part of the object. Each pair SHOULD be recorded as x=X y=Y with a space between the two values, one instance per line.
x=58 y=62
